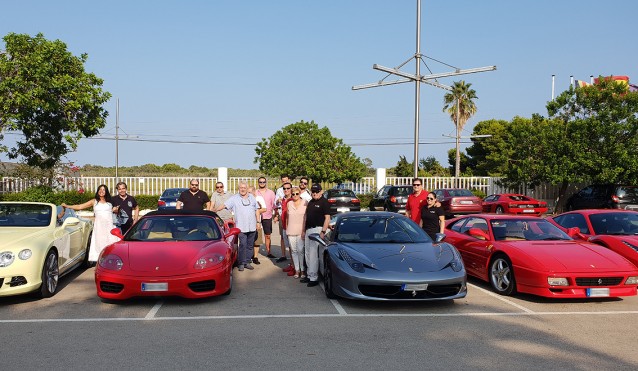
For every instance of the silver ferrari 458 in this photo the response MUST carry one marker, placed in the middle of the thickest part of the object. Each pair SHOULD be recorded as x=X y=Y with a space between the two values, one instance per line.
x=386 y=256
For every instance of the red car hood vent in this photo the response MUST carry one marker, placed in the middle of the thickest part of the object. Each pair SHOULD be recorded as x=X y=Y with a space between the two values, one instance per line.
x=567 y=256
x=164 y=258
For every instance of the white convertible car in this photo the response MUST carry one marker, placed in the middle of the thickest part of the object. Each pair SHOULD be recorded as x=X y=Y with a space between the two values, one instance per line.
x=38 y=244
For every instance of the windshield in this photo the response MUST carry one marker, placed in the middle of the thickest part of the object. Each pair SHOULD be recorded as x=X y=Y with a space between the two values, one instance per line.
x=340 y=193
x=174 y=228
x=615 y=223
x=173 y=192
x=25 y=215
x=526 y=230
x=373 y=229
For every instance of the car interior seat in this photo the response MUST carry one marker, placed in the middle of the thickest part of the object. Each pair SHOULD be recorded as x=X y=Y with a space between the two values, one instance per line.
x=160 y=230
x=514 y=232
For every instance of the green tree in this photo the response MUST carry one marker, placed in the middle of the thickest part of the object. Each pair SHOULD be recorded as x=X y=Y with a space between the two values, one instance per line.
x=303 y=148
x=459 y=103
x=488 y=156
x=463 y=162
x=431 y=167
x=403 y=167
x=46 y=95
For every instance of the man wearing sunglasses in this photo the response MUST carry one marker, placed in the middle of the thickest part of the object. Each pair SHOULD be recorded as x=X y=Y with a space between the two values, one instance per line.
x=193 y=199
x=303 y=186
x=416 y=200
x=218 y=198
x=266 y=217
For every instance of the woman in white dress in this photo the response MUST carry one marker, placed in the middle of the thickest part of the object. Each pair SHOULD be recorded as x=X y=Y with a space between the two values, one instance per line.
x=103 y=223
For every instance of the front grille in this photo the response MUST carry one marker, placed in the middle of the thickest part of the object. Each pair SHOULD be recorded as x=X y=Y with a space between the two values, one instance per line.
x=202 y=286
x=598 y=281
x=394 y=291
x=111 y=287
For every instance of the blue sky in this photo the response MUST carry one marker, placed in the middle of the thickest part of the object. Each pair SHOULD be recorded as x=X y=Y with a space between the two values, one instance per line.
x=229 y=71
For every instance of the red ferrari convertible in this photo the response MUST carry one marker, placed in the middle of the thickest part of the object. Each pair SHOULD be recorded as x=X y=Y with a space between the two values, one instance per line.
x=531 y=255
x=513 y=203
x=169 y=253
x=617 y=230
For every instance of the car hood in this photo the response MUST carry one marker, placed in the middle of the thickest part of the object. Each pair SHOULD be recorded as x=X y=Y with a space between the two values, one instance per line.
x=573 y=256
x=397 y=257
x=162 y=257
x=19 y=236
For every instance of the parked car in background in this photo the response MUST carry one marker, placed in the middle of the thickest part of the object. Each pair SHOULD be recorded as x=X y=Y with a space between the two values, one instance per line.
x=604 y=196
x=617 y=230
x=169 y=253
x=391 y=198
x=168 y=199
x=513 y=203
x=530 y=255
x=342 y=200
x=37 y=247
x=458 y=201
x=385 y=256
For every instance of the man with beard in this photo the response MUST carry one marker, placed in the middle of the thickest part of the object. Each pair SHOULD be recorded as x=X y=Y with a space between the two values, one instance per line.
x=127 y=210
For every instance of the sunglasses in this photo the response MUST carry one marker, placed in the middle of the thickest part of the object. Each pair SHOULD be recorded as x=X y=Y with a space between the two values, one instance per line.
x=194 y=185
x=219 y=186
x=416 y=185
x=296 y=193
x=287 y=187
x=303 y=182
x=430 y=198
x=260 y=182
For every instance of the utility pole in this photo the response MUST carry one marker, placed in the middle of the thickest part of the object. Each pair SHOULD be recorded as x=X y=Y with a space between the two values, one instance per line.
x=417 y=78
x=117 y=138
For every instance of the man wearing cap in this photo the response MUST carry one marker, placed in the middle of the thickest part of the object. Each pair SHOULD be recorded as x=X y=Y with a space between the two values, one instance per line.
x=317 y=221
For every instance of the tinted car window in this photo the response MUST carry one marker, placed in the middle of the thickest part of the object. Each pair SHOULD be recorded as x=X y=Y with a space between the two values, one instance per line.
x=614 y=223
x=172 y=228
x=460 y=193
x=627 y=192
x=173 y=192
x=25 y=215
x=402 y=191
x=340 y=193
x=369 y=229
x=573 y=220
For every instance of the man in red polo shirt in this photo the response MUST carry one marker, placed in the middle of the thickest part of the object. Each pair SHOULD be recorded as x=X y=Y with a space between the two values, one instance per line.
x=416 y=200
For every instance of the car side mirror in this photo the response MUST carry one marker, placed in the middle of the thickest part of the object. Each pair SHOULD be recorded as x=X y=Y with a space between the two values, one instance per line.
x=479 y=233
x=70 y=221
x=232 y=232
x=439 y=237
x=317 y=237
x=574 y=232
x=116 y=232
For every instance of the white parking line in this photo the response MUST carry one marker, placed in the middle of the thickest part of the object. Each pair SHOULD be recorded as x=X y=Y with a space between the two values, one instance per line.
x=335 y=303
x=290 y=316
x=151 y=313
x=501 y=298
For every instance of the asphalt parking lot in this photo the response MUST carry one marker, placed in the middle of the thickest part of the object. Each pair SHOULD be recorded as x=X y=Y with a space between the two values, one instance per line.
x=272 y=321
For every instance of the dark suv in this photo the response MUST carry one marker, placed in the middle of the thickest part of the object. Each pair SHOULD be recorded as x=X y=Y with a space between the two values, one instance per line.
x=604 y=196
x=391 y=198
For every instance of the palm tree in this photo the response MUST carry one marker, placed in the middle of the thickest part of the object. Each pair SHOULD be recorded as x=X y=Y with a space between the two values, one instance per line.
x=460 y=105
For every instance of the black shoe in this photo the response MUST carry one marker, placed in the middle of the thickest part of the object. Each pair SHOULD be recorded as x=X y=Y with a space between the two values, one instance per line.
x=304 y=280
x=270 y=256
x=282 y=259
x=313 y=283
x=256 y=261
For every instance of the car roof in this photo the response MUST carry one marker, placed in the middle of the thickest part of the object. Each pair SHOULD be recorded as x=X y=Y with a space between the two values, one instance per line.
x=180 y=212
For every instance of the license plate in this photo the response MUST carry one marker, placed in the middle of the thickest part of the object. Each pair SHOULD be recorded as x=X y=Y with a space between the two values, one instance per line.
x=172 y=203
x=343 y=209
x=528 y=210
x=414 y=287
x=597 y=292
x=158 y=286
x=465 y=202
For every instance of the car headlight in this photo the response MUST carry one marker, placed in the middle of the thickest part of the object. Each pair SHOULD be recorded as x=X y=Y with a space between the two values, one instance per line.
x=633 y=280
x=25 y=254
x=352 y=262
x=6 y=258
x=111 y=262
x=557 y=281
x=209 y=261
x=631 y=245
x=456 y=263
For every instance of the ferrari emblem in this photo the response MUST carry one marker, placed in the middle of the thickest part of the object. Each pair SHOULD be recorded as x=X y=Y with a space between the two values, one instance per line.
x=410 y=269
x=156 y=268
x=413 y=293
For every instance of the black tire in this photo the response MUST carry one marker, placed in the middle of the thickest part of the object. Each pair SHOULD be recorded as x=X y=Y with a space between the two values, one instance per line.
x=85 y=263
x=230 y=289
x=499 y=210
x=50 y=275
x=501 y=275
x=327 y=278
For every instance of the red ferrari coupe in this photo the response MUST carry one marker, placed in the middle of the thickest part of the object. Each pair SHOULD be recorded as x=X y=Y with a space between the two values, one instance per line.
x=169 y=253
x=615 y=229
x=513 y=203
x=531 y=255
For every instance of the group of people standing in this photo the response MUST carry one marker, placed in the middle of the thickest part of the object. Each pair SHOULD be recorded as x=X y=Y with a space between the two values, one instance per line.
x=423 y=208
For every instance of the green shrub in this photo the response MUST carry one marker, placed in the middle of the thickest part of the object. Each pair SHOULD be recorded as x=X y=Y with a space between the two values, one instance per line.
x=147 y=201
x=365 y=199
x=46 y=194
x=479 y=193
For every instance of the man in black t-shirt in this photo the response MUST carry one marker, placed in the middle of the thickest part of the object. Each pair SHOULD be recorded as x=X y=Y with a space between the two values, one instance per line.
x=317 y=221
x=193 y=199
x=128 y=211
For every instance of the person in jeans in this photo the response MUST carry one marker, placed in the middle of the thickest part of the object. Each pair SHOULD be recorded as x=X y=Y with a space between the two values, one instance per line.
x=317 y=221
x=295 y=214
